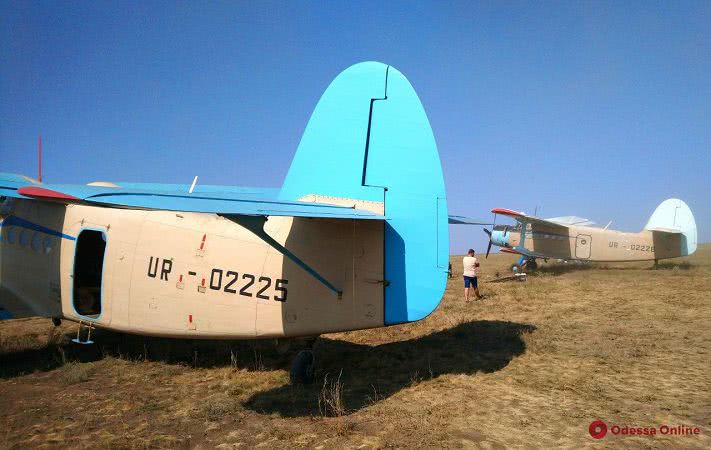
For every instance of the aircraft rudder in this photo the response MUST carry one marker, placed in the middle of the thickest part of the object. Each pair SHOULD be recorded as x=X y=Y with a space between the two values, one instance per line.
x=675 y=214
x=369 y=139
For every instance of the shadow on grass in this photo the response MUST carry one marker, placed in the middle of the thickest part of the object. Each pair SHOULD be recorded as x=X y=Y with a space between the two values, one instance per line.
x=562 y=268
x=369 y=374
x=249 y=355
x=684 y=265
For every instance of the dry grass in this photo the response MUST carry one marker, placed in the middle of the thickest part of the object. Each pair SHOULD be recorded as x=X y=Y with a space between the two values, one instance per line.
x=75 y=372
x=529 y=367
x=330 y=399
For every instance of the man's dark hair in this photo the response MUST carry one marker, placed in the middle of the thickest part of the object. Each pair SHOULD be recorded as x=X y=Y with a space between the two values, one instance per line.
x=471 y=251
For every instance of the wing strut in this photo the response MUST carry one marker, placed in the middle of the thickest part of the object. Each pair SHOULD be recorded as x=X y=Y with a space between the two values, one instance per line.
x=255 y=224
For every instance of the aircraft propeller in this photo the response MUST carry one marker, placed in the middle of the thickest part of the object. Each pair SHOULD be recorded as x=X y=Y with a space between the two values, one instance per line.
x=488 y=249
x=493 y=225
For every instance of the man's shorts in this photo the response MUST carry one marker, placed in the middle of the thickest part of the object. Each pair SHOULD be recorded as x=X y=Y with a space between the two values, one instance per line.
x=470 y=282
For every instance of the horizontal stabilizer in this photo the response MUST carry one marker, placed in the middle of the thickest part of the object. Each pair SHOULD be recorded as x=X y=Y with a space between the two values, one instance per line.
x=461 y=220
x=666 y=230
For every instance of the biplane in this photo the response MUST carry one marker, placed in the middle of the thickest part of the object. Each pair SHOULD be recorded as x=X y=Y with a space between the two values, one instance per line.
x=356 y=237
x=669 y=233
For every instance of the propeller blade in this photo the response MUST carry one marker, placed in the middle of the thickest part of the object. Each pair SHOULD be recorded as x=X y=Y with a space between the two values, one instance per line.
x=493 y=226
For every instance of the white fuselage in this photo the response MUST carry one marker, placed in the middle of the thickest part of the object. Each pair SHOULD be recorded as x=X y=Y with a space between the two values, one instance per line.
x=186 y=274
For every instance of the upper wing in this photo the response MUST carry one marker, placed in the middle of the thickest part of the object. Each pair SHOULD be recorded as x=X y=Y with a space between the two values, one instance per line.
x=571 y=220
x=10 y=182
x=525 y=218
x=461 y=220
x=172 y=197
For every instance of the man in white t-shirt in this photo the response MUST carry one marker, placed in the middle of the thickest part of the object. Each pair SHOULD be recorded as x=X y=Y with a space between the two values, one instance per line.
x=471 y=273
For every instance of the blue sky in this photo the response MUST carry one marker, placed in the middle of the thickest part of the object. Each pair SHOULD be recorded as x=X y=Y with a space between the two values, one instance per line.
x=598 y=109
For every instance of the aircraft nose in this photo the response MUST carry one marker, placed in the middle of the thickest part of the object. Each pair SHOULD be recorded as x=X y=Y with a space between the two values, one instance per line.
x=500 y=238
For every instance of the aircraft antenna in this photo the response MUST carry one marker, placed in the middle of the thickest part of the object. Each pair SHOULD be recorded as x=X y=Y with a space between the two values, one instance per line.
x=39 y=159
x=192 y=186
x=608 y=224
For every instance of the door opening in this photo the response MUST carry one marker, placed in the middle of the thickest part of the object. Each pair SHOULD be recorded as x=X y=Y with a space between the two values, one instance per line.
x=582 y=246
x=88 y=268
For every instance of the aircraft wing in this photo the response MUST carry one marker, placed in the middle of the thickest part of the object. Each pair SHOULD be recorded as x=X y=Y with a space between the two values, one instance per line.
x=172 y=197
x=10 y=182
x=525 y=218
x=461 y=220
x=571 y=220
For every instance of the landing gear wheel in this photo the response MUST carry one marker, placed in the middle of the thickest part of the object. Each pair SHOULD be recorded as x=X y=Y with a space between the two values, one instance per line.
x=302 y=368
x=282 y=346
x=515 y=268
x=531 y=265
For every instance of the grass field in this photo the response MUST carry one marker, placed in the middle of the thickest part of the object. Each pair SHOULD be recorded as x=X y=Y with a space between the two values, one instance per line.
x=529 y=367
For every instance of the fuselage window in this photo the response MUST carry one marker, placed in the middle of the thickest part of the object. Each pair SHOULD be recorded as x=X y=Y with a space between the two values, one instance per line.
x=11 y=235
x=88 y=269
x=37 y=242
x=47 y=245
x=24 y=238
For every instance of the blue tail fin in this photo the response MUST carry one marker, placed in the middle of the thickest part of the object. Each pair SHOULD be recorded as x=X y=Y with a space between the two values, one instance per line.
x=369 y=139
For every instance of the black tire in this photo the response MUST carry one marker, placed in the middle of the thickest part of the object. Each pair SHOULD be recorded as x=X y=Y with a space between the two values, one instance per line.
x=531 y=265
x=302 y=368
x=282 y=346
x=515 y=268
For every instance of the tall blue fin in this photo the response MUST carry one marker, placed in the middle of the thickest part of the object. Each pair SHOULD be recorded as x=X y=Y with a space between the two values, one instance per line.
x=330 y=156
x=369 y=139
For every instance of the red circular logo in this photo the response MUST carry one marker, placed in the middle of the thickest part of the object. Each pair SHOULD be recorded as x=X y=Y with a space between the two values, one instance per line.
x=598 y=429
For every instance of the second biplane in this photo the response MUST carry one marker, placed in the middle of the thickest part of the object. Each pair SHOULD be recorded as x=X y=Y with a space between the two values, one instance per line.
x=670 y=232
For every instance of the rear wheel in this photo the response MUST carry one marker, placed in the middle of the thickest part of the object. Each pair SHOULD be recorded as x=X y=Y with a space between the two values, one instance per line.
x=531 y=265
x=302 y=368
